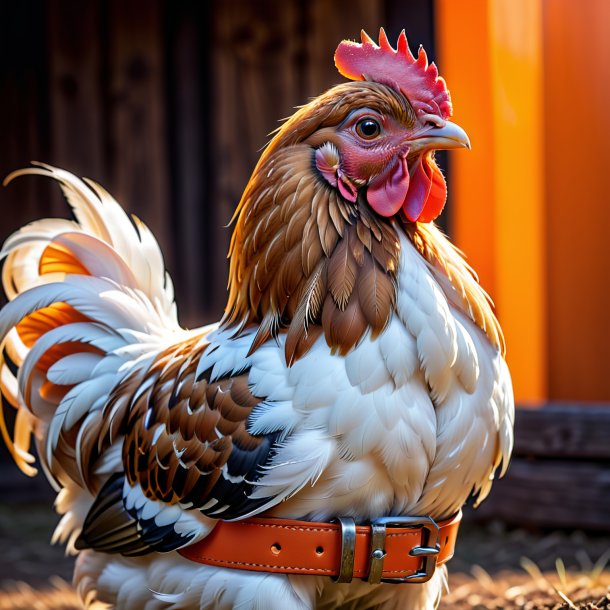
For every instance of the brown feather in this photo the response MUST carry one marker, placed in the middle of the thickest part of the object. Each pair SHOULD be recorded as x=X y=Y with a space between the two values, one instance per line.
x=343 y=329
x=364 y=234
x=327 y=232
x=288 y=278
x=334 y=211
x=280 y=276
x=293 y=233
x=376 y=295
x=308 y=311
x=264 y=332
x=371 y=223
x=186 y=455
x=342 y=270
x=298 y=345
x=311 y=248
x=357 y=248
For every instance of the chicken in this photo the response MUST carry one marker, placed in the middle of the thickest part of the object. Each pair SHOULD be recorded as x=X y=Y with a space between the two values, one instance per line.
x=357 y=372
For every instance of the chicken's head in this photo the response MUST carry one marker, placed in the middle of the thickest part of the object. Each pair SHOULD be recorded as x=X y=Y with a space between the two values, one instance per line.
x=316 y=246
x=385 y=145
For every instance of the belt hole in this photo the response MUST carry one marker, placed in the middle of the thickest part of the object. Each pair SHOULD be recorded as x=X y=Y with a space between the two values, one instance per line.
x=447 y=540
x=320 y=550
x=276 y=547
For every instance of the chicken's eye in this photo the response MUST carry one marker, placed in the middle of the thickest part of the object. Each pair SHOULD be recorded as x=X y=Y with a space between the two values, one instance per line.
x=368 y=128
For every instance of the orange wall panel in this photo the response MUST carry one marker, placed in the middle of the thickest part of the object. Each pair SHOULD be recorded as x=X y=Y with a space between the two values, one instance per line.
x=464 y=61
x=577 y=127
x=491 y=56
x=515 y=41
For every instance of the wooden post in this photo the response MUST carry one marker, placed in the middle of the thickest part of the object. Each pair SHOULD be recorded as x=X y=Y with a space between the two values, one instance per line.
x=75 y=67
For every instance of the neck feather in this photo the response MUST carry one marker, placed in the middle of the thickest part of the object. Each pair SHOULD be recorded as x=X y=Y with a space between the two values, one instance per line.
x=458 y=279
x=307 y=262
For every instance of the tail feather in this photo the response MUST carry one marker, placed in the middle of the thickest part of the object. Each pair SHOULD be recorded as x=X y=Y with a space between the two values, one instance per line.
x=24 y=246
x=100 y=216
x=87 y=299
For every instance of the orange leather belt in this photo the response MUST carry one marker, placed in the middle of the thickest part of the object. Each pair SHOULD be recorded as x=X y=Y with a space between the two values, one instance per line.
x=391 y=549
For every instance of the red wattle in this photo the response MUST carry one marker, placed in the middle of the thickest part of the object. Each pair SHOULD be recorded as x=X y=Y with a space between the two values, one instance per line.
x=427 y=193
x=437 y=196
x=387 y=193
x=415 y=200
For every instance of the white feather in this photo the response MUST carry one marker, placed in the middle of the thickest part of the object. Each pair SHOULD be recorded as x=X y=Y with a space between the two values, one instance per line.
x=73 y=368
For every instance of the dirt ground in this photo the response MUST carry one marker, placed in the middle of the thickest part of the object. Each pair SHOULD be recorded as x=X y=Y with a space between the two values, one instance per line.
x=494 y=568
x=499 y=569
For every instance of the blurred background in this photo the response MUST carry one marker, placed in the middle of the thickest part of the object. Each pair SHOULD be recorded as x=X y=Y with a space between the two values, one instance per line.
x=168 y=104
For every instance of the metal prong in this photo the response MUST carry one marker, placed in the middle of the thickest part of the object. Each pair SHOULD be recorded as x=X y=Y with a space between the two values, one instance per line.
x=424 y=551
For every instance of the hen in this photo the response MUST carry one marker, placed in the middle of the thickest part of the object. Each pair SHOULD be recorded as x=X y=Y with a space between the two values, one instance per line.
x=357 y=372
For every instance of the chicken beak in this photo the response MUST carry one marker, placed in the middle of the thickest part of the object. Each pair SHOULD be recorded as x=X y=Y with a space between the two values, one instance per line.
x=446 y=137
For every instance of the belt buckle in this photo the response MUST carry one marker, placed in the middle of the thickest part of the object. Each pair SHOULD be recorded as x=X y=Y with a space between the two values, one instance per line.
x=428 y=550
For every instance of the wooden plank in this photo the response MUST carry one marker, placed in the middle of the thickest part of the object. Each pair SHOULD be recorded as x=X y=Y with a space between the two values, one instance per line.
x=254 y=84
x=138 y=164
x=24 y=117
x=25 y=136
x=416 y=17
x=75 y=82
x=328 y=23
x=189 y=124
x=559 y=475
x=563 y=431
x=551 y=494
x=254 y=87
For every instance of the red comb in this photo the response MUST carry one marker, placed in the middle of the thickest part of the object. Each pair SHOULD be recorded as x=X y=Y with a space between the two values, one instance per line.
x=381 y=63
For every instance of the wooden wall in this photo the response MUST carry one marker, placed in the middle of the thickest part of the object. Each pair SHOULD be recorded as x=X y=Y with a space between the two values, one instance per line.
x=167 y=104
